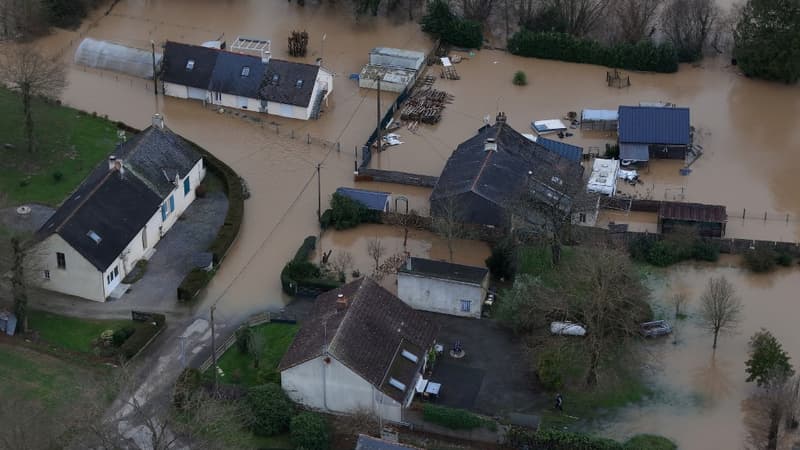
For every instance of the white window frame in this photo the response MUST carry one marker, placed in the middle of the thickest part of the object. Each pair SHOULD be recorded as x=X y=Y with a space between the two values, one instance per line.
x=467 y=303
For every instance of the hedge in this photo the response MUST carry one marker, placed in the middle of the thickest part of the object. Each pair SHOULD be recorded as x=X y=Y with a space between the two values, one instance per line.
x=299 y=272
x=310 y=431
x=453 y=418
x=565 y=440
x=645 y=56
x=144 y=333
x=198 y=278
x=451 y=29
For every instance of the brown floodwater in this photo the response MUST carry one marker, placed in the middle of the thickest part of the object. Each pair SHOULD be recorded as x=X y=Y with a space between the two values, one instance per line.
x=701 y=393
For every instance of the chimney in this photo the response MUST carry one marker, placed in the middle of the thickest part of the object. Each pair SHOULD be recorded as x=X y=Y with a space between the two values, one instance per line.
x=490 y=145
x=266 y=55
x=341 y=302
x=408 y=261
x=501 y=117
x=112 y=162
x=158 y=121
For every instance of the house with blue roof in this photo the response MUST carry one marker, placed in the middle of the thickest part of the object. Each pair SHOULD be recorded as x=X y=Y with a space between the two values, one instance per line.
x=651 y=132
x=374 y=200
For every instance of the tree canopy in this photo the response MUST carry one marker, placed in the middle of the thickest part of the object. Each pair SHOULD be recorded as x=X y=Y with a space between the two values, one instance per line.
x=768 y=361
x=767 y=40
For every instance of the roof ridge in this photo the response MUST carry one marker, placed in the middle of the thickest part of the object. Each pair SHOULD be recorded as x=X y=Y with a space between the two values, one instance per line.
x=334 y=339
x=85 y=199
x=480 y=171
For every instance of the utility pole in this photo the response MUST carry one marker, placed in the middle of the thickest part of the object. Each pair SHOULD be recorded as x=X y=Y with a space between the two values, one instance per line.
x=319 y=194
x=155 y=78
x=214 y=352
x=378 y=128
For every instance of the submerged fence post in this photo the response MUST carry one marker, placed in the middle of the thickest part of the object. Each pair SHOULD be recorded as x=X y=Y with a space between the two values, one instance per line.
x=308 y=140
x=765 y=216
x=744 y=211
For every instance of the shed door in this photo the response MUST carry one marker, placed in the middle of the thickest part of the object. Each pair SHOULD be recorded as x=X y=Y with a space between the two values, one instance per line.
x=196 y=93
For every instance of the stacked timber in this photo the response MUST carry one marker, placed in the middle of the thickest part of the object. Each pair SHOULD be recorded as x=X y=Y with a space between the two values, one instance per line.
x=425 y=106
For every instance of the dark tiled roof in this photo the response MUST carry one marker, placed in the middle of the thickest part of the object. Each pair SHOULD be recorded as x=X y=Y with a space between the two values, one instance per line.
x=446 y=270
x=286 y=89
x=564 y=150
x=692 y=212
x=654 y=125
x=227 y=76
x=368 y=336
x=176 y=55
x=370 y=443
x=116 y=205
x=499 y=176
x=371 y=199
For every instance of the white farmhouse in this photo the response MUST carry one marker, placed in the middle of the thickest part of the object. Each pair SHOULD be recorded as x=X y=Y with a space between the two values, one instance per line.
x=246 y=82
x=442 y=287
x=118 y=214
x=361 y=348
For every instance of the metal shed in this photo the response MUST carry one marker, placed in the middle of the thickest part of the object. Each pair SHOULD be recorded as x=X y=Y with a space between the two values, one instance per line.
x=396 y=57
x=115 y=57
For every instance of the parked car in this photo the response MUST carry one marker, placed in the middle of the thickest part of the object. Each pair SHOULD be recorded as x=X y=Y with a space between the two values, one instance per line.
x=655 y=328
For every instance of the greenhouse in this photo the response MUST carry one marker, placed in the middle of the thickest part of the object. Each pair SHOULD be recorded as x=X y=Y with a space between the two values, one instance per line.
x=115 y=57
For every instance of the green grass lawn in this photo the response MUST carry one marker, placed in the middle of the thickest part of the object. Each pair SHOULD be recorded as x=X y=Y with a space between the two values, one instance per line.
x=68 y=141
x=71 y=333
x=238 y=367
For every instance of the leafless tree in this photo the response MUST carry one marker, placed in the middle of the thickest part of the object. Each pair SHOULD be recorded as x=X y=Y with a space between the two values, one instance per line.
x=256 y=343
x=447 y=221
x=21 y=19
x=376 y=250
x=687 y=24
x=678 y=301
x=477 y=10
x=26 y=71
x=635 y=18
x=720 y=307
x=580 y=17
x=342 y=262
x=771 y=414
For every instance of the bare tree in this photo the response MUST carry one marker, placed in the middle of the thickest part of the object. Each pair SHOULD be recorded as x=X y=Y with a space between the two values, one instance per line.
x=687 y=24
x=580 y=17
x=678 y=301
x=376 y=250
x=342 y=262
x=21 y=19
x=635 y=19
x=477 y=10
x=771 y=414
x=26 y=71
x=720 y=308
x=447 y=221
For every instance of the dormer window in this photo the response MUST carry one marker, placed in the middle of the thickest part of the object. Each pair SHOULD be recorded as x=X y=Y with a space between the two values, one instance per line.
x=190 y=64
x=298 y=84
x=246 y=71
x=275 y=78
x=94 y=236
x=556 y=180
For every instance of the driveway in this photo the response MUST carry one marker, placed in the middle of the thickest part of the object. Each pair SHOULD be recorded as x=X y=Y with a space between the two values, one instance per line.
x=494 y=376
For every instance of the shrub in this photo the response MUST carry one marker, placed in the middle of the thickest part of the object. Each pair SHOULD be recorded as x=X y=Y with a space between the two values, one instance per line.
x=300 y=272
x=57 y=176
x=559 y=440
x=309 y=431
x=453 y=418
x=645 y=55
x=783 y=258
x=705 y=250
x=121 y=335
x=760 y=260
x=268 y=375
x=271 y=409
x=347 y=213
x=451 y=29
x=649 y=442
x=639 y=248
x=243 y=340
x=549 y=369
x=187 y=383
x=142 y=336
x=502 y=261
x=664 y=253
x=192 y=284
x=520 y=79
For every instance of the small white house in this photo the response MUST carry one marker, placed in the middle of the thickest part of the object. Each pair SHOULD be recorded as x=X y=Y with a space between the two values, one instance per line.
x=252 y=83
x=118 y=214
x=442 y=287
x=360 y=349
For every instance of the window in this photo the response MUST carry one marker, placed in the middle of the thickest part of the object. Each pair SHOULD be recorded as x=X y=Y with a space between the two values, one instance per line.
x=582 y=217
x=116 y=271
x=299 y=84
x=190 y=64
x=163 y=212
x=61 y=260
x=466 y=305
x=46 y=274
x=246 y=71
x=556 y=180
x=186 y=187
x=112 y=275
x=171 y=203
x=94 y=236
x=275 y=78
x=144 y=238
x=397 y=384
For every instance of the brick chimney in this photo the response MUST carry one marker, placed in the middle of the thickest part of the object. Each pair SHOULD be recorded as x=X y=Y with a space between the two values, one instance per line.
x=501 y=117
x=158 y=121
x=341 y=302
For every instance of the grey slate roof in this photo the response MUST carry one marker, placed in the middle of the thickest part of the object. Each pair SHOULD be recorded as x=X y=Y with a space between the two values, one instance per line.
x=445 y=270
x=370 y=443
x=374 y=200
x=176 y=55
x=654 y=125
x=499 y=176
x=116 y=205
x=367 y=336
x=227 y=75
x=286 y=89
x=564 y=150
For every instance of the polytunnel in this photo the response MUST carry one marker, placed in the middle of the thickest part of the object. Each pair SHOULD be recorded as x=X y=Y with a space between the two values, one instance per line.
x=118 y=58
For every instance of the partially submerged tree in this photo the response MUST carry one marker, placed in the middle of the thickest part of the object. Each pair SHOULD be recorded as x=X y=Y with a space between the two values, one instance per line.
x=447 y=221
x=767 y=40
x=688 y=24
x=768 y=362
x=720 y=307
x=771 y=414
x=635 y=19
x=25 y=70
x=376 y=250
x=579 y=17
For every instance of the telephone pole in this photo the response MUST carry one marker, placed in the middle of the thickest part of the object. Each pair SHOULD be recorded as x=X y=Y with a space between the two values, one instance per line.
x=319 y=194
x=378 y=128
x=155 y=78
x=214 y=352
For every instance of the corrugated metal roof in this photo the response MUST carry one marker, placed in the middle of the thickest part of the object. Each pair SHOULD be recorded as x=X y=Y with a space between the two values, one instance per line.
x=692 y=212
x=371 y=199
x=634 y=152
x=653 y=125
x=570 y=152
x=445 y=270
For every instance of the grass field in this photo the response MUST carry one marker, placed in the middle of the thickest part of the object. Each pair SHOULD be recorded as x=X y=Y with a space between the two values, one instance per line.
x=71 y=333
x=238 y=367
x=68 y=142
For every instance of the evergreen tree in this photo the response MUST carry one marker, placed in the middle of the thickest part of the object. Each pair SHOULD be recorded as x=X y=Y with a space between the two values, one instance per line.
x=768 y=361
x=767 y=40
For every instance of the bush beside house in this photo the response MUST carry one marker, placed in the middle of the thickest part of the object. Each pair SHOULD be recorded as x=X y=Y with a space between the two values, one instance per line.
x=310 y=431
x=271 y=408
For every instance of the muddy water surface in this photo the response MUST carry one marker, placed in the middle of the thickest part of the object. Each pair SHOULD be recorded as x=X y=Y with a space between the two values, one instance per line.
x=701 y=392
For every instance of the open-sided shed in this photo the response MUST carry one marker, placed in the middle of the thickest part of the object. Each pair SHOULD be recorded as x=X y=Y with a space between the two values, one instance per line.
x=709 y=220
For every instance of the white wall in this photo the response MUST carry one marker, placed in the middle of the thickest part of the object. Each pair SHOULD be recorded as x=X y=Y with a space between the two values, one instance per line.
x=79 y=278
x=439 y=295
x=175 y=90
x=334 y=387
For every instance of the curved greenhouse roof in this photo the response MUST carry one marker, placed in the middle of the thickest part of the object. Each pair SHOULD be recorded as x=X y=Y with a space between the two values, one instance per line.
x=115 y=57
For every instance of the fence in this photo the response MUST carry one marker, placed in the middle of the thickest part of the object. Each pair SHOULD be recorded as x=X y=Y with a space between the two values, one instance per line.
x=391 y=176
x=281 y=129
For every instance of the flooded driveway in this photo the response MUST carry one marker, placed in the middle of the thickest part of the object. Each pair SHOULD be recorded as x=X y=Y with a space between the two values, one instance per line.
x=700 y=392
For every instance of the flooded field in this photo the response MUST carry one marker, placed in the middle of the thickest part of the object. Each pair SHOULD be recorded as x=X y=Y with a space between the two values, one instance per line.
x=750 y=160
x=702 y=392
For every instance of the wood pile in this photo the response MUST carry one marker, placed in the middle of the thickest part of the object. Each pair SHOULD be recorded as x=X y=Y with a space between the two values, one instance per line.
x=425 y=106
x=450 y=73
x=298 y=43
